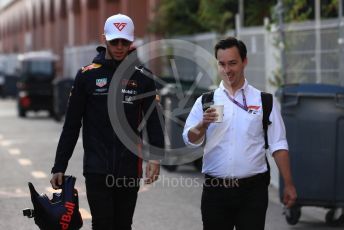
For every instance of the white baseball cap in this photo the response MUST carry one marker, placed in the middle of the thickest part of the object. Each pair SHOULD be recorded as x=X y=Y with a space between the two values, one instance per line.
x=119 y=26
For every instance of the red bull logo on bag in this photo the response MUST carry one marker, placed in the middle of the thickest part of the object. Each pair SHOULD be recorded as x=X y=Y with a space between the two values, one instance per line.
x=67 y=217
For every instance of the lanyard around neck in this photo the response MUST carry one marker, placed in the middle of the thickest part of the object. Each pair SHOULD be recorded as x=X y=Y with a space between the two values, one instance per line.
x=243 y=106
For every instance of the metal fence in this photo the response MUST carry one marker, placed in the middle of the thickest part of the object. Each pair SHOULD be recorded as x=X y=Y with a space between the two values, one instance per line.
x=76 y=57
x=313 y=53
x=256 y=44
x=190 y=68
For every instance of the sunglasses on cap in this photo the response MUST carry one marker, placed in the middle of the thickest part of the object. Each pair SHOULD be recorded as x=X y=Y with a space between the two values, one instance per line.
x=115 y=42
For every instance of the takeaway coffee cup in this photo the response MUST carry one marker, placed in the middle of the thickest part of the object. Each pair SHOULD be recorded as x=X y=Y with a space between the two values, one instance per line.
x=219 y=111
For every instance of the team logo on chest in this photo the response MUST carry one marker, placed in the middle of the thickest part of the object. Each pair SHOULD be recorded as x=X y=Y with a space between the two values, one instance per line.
x=100 y=82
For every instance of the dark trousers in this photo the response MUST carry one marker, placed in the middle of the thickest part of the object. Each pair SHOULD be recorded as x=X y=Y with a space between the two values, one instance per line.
x=243 y=207
x=112 y=204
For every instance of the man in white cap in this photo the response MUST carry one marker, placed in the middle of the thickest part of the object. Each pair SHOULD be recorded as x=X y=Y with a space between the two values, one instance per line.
x=112 y=170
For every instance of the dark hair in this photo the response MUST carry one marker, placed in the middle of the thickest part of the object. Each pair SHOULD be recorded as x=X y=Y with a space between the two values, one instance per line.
x=230 y=42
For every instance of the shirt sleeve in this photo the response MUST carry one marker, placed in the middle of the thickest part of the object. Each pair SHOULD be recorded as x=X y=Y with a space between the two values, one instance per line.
x=72 y=125
x=276 y=131
x=195 y=116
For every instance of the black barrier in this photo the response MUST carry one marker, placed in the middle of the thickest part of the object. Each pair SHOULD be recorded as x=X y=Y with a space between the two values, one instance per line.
x=61 y=91
x=10 y=86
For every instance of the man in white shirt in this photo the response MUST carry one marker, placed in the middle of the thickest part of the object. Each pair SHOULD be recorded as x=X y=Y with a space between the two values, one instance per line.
x=235 y=192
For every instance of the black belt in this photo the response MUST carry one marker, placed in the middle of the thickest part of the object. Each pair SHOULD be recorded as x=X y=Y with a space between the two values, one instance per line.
x=260 y=178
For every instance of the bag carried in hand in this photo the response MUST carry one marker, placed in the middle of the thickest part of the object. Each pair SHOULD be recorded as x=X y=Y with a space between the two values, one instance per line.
x=61 y=212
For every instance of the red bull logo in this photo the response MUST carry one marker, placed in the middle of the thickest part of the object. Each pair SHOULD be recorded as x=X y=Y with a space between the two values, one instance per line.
x=67 y=217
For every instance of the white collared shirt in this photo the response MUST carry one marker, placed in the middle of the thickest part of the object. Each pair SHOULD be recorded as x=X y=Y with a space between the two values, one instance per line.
x=235 y=147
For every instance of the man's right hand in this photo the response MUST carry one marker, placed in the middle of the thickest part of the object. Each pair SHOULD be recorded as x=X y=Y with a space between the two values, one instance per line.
x=196 y=134
x=56 y=180
x=209 y=116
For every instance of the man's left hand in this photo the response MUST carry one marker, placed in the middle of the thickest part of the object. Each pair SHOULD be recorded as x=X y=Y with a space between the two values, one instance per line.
x=152 y=171
x=282 y=160
x=289 y=196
